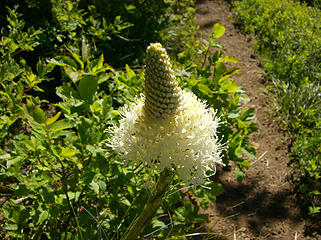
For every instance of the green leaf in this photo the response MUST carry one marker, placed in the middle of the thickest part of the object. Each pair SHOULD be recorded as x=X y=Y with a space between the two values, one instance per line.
x=240 y=175
x=18 y=214
x=77 y=58
x=63 y=108
x=229 y=86
x=42 y=217
x=95 y=186
x=249 y=114
x=30 y=145
x=101 y=61
x=64 y=61
x=70 y=6
x=60 y=125
x=130 y=73
x=13 y=161
x=67 y=152
x=84 y=131
x=125 y=202
x=5 y=156
x=157 y=223
x=10 y=226
x=235 y=112
x=53 y=119
x=88 y=177
x=21 y=190
x=130 y=8
x=87 y=87
x=67 y=93
x=228 y=59
x=244 y=99
x=253 y=127
x=74 y=76
x=84 y=48
x=216 y=56
x=43 y=69
x=204 y=89
x=11 y=22
x=30 y=76
x=216 y=189
x=314 y=209
x=102 y=184
x=219 y=70
x=48 y=195
x=97 y=65
x=34 y=113
x=103 y=78
x=218 y=30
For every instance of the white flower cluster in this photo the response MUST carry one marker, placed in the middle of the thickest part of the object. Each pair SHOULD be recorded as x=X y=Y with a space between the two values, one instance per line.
x=182 y=138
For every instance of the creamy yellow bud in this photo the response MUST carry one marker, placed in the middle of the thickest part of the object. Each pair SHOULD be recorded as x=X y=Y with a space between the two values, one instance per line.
x=163 y=95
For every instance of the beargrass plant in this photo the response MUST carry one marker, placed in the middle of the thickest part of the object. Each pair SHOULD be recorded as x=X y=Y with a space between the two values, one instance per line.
x=167 y=128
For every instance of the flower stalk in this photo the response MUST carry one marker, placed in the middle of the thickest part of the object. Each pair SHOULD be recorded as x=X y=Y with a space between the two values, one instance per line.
x=153 y=203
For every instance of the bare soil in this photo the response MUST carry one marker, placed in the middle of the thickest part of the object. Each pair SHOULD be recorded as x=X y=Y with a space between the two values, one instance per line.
x=263 y=205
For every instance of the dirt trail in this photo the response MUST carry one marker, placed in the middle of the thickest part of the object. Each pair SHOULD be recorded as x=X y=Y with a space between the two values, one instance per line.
x=262 y=206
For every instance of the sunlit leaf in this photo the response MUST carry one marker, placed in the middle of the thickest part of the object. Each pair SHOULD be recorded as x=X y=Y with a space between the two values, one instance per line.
x=204 y=89
x=34 y=113
x=43 y=216
x=229 y=86
x=95 y=187
x=67 y=152
x=130 y=73
x=218 y=30
x=64 y=61
x=60 y=125
x=53 y=119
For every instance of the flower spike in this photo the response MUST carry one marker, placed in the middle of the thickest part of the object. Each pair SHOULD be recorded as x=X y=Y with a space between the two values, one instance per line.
x=168 y=128
x=163 y=95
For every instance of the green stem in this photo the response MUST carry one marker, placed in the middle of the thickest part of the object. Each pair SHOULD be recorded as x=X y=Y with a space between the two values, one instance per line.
x=205 y=56
x=153 y=203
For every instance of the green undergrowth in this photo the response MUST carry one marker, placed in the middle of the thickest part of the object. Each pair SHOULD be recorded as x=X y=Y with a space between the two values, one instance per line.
x=66 y=68
x=289 y=36
x=313 y=3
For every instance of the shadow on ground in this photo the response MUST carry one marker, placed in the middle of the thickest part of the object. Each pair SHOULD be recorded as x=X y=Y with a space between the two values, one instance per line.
x=253 y=205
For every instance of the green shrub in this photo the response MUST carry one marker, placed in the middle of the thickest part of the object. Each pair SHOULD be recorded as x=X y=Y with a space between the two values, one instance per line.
x=314 y=3
x=224 y=95
x=288 y=33
x=289 y=40
x=307 y=157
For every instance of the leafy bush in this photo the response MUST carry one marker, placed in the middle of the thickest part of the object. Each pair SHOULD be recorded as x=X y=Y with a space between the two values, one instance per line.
x=211 y=82
x=314 y=3
x=289 y=40
x=307 y=150
x=105 y=26
x=58 y=95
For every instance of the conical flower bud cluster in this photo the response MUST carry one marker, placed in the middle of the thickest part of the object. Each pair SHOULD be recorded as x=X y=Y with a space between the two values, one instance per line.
x=163 y=96
x=168 y=127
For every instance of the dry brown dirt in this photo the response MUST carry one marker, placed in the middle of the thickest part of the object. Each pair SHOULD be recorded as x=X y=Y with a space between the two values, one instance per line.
x=262 y=206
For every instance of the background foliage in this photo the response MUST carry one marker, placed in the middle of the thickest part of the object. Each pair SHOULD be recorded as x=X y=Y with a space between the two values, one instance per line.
x=289 y=40
x=66 y=67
